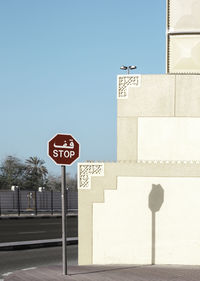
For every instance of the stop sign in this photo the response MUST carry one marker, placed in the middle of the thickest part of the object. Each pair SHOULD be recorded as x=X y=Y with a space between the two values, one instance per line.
x=63 y=149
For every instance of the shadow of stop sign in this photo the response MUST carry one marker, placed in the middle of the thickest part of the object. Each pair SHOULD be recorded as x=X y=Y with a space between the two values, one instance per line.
x=63 y=149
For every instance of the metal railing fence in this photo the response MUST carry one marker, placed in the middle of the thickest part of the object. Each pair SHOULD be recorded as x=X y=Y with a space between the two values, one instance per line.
x=35 y=202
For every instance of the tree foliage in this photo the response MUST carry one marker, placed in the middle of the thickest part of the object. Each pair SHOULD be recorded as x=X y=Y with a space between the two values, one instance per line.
x=30 y=175
x=12 y=172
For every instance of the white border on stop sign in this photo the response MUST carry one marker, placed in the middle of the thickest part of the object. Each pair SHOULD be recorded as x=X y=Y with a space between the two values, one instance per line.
x=53 y=159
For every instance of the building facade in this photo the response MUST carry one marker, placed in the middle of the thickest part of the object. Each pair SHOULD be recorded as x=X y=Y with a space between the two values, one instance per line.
x=144 y=208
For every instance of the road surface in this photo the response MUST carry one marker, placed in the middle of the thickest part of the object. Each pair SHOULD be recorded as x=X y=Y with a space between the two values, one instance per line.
x=14 y=260
x=26 y=229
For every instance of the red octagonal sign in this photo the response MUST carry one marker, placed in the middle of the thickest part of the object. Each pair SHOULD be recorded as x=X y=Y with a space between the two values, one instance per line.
x=63 y=149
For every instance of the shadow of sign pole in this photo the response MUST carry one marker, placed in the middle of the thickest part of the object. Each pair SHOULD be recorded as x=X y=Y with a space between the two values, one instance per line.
x=156 y=199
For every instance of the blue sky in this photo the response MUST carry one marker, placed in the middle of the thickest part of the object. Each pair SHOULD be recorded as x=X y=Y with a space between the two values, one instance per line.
x=59 y=60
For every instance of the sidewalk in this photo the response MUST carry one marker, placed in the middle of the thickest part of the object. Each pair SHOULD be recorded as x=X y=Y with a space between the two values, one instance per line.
x=108 y=273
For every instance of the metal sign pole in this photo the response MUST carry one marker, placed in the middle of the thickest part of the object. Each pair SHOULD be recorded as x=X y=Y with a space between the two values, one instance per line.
x=64 y=219
x=63 y=149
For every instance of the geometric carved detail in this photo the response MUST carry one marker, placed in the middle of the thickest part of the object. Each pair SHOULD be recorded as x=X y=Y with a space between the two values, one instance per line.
x=183 y=53
x=183 y=32
x=85 y=171
x=125 y=81
x=183 y=16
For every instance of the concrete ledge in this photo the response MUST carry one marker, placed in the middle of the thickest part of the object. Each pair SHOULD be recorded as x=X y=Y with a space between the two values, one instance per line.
x=4 y=217
x=10 y=246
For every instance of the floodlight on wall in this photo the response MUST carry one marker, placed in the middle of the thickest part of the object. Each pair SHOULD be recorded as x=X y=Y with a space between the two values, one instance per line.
x=123 y=67
x=128 y=68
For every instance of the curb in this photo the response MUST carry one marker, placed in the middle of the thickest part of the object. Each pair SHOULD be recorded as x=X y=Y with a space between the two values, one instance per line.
x=34 y=217
x=36 y=244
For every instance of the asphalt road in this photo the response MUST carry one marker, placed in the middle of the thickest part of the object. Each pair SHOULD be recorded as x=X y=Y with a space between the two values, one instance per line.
x=26 y=229
x=15 y=260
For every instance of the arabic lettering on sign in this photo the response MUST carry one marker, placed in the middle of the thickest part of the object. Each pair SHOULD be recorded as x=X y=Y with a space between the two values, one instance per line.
x=65 y=145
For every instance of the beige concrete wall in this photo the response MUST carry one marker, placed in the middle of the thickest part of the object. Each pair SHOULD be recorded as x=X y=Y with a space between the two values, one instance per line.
x=154 y=97
x=121 y=228
x=162 y=96
x=158 y=96
x=109 y=182
x=187 y=95
x=169 y=139
x=168 y=96
x=127 y=128
x=165 y=209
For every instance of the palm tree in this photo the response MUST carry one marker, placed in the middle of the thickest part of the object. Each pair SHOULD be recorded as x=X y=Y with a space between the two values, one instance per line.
x=36 y=172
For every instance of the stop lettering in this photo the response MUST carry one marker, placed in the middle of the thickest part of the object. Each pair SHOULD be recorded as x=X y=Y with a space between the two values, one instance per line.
x=63 y=153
